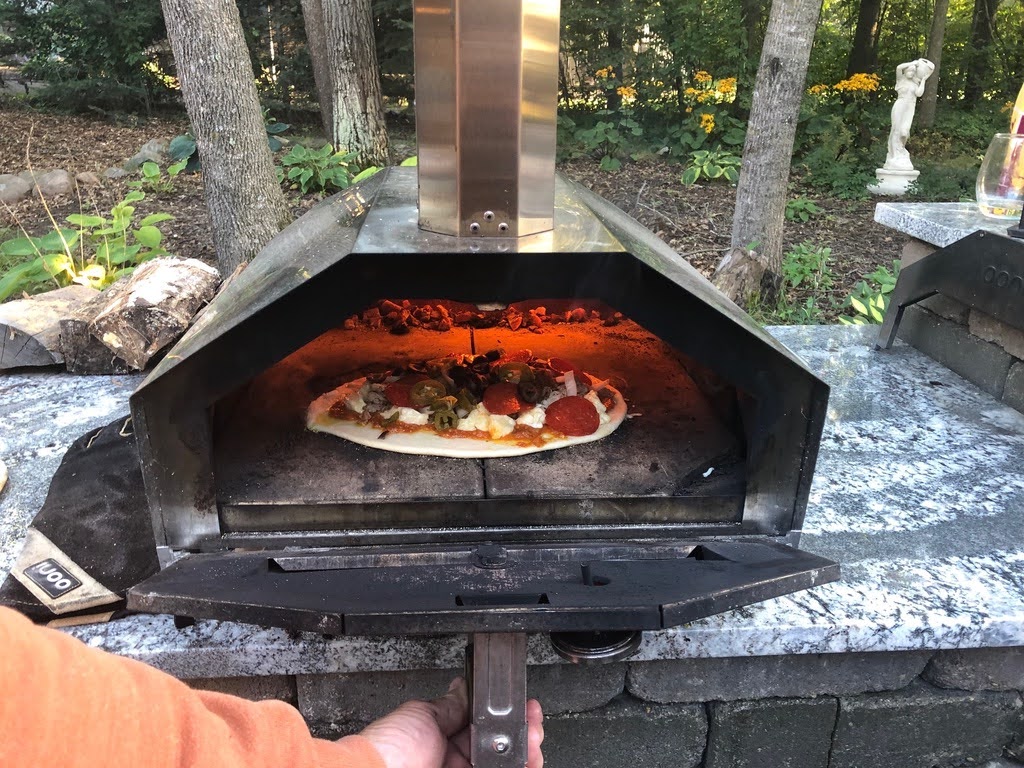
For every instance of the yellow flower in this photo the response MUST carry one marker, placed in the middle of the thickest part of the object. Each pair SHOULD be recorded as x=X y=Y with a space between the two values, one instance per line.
x=858 y=83
x=605 y=72
x=689 y=110
x=691 y=92
x=707 y=122
x=727 y=85
x=818 y=90
x=626 y=91
x=705 y=96
x=702 y=77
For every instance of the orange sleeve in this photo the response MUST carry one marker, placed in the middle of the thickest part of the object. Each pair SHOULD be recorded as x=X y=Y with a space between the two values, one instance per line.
x=66 y=704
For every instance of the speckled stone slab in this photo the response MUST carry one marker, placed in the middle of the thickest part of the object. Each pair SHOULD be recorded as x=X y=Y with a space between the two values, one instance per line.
x=918 y=494
x=938 y=223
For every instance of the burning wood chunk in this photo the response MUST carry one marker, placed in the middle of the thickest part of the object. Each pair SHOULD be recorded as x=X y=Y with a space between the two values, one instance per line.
x=372 y=317
x=514 y=318
x=614 y=320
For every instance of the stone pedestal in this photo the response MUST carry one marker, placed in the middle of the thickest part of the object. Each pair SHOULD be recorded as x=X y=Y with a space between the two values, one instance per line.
x=891 y=182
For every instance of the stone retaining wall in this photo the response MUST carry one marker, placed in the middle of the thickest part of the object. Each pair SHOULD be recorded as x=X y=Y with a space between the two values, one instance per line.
x=883 y=710
x=985 y=351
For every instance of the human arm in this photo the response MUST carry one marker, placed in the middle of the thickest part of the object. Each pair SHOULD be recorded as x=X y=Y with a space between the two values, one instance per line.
x=66 y=704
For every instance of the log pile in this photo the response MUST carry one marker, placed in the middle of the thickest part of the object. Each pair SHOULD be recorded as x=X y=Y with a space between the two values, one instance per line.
x=118 y=330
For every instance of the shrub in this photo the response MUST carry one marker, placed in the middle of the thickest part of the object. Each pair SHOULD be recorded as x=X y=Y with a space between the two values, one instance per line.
x=318 y=170
x=801 y=209
x=712 y=164
x=870 y=298
x=155 y=180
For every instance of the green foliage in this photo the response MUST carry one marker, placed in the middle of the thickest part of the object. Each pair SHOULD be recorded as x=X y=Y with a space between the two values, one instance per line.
x=801 y=209
x=712 y=164
x=805 y=275
x=949 y=181
x=318 y=170
x=155 y=180
x=614 y=138
x=807 y=266
x=870 y=298
x=92 y=53
x=94 y=251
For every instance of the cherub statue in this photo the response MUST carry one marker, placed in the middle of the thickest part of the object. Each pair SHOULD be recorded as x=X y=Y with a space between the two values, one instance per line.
x=910 y=79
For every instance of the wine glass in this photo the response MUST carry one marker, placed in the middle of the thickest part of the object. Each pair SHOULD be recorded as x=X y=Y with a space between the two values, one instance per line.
x=1000 y=186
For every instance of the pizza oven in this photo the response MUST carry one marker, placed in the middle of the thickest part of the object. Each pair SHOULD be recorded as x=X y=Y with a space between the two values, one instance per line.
x=692 y=506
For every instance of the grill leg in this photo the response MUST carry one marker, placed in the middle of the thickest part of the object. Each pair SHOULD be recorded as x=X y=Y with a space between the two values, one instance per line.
x=496 y=668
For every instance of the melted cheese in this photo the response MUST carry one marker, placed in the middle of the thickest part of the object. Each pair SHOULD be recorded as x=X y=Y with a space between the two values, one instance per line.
x=602 y=412
x=354 y=397
x=477 y=419
x=500 y=426
x=532 y=418
x=407 y=415
x=483 y=420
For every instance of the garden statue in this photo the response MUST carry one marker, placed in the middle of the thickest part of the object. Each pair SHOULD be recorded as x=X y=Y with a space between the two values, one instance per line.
x=898 y=172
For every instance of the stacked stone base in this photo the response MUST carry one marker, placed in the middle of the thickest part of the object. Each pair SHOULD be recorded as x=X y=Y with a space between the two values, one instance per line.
x=884 y=710
x=985 y=351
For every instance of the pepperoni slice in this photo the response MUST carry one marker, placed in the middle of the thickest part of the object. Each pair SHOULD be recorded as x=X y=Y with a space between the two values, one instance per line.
x=562 y=365
x=398 y=392
x=573 y=416
x=503 y=399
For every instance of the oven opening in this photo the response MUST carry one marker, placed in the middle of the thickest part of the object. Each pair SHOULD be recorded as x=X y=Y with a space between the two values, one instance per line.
x=679 y=457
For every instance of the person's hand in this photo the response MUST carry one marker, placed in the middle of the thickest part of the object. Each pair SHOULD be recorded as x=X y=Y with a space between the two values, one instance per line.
x=435 y=734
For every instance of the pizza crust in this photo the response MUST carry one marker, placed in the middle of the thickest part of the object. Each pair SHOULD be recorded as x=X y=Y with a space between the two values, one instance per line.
x=429 y=443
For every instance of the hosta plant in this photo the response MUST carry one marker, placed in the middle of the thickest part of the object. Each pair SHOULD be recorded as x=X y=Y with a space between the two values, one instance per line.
x=94 y=250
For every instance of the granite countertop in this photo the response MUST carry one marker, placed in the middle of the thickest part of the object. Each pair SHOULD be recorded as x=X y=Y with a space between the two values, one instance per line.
x=940 y=224
x=918 y=495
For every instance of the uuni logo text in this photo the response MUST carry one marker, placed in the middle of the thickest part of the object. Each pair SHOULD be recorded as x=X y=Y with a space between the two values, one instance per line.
x=52 y=578
x=1001 y=278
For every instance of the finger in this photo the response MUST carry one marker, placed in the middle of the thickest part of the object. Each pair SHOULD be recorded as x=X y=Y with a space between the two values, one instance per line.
x=462 y=742
x=451 y=711
x=534 y=734
x=454 y=758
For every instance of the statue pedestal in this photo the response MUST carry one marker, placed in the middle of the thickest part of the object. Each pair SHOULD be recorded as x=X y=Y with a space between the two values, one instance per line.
x=892 y=182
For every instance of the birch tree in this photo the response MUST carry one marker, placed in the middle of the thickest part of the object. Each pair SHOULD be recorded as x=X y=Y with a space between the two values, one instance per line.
x=247 y=207
x=753 y=262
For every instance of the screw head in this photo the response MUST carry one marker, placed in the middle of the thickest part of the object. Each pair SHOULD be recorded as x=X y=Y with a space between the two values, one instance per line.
x=500 y=744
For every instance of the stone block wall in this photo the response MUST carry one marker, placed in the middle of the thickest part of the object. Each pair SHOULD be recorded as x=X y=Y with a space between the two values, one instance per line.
x=885 y=710
x=985 y=351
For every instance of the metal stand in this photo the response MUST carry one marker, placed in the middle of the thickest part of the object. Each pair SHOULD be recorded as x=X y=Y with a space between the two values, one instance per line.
x=496 y=676
x=983 y=270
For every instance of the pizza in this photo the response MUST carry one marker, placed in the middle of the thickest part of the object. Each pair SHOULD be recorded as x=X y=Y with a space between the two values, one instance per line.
x=472 y=406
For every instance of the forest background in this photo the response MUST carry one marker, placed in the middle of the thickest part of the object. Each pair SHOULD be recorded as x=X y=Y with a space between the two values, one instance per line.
x=649 y=92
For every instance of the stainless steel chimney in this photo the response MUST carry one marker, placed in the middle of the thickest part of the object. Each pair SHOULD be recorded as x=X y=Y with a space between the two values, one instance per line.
x=486 y=106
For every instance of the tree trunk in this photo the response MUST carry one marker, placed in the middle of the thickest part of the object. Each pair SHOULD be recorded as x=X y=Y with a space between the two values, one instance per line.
x=752 y=13
x=926 y=110
x=754 y=262
x=357 y=104
x=612 y=97
x=864 y=54
x=247 y=207
x=977 y=59
x=316 y=44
